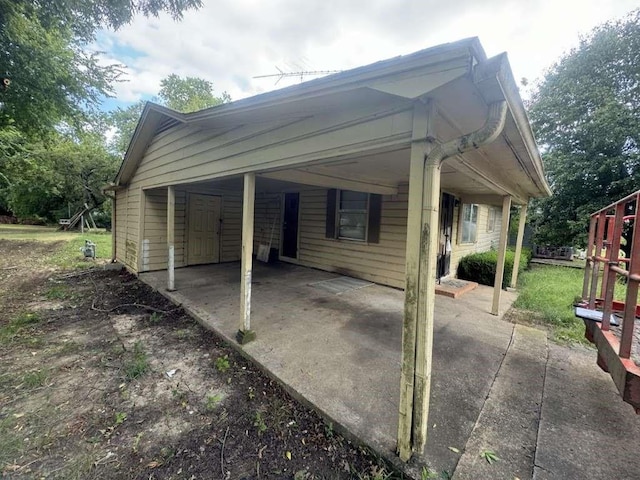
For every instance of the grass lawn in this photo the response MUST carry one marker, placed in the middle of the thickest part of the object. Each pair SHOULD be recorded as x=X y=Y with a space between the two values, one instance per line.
x=68 y=255
x=548 y=292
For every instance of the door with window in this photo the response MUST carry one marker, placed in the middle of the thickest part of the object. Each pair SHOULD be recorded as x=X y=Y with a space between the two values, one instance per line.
x=203 y=234
x=446 y=229
x=290 y=225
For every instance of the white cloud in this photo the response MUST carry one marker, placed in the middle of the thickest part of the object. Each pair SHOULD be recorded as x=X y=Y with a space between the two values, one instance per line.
x=230 y=41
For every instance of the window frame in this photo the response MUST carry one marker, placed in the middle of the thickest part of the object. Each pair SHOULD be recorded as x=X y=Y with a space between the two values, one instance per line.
x=492 y=219
x=461 y=223
x=340 y=211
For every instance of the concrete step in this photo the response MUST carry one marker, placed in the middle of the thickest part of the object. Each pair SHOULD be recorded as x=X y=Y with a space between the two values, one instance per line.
x=508 y=423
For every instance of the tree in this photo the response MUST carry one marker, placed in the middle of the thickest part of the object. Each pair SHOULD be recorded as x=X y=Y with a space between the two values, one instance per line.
x=43 y=53
x=586 y=114
x=44 y=179
x=187 y=94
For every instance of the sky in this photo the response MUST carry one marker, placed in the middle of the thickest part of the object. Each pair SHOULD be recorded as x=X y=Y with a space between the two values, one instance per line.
x=229 y=42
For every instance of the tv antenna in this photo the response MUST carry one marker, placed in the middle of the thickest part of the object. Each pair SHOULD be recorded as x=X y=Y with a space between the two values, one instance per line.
x=306 y=73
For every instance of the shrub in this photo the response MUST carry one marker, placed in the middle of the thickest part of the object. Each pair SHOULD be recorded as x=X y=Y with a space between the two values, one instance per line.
x=481 y=267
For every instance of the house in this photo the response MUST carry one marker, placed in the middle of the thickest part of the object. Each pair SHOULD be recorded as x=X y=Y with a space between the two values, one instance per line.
x=389 y=172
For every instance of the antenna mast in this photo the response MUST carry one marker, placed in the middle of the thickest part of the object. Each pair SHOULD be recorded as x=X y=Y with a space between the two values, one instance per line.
x=282 y=74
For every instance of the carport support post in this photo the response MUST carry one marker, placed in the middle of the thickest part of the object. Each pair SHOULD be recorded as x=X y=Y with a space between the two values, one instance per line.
x=171 y=219
x=245 y=334
x=502 y=253
x=516 y=259
x=416 y=324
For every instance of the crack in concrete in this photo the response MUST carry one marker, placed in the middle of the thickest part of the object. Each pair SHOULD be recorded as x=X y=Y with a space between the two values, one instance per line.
x=544 y=386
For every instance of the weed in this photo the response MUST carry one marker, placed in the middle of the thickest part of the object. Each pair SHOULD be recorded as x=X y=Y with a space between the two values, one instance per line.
x=251 y=393
x=490 y=456
x=179 y=395
x=120 y=418
x=136 y=442
x=24 y=319
x=428 y=474
x=139 y=365
x=155 y=317
x=57 y=292
x=328 y=429
x=34 y=379
x=222 y=364
x=259 y=423
x=213 y=401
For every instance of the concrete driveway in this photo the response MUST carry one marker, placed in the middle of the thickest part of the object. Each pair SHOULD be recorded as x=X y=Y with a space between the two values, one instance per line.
x=340 y=352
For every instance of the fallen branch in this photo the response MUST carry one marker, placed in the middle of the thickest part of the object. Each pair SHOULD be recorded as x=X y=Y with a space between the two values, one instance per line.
x=8 y=268
x=224 y=440
x=136 y=305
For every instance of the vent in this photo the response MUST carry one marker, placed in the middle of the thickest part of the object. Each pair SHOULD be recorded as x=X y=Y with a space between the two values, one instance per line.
x=166 y=125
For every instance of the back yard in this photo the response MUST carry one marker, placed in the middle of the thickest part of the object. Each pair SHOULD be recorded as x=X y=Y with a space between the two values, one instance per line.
x=104 y=378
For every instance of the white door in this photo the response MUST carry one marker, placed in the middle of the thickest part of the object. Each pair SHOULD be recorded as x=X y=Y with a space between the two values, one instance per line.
x=203 y=241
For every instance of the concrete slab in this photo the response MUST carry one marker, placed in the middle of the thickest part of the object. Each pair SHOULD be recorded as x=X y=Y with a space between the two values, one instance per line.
x=586 y=430
x=508 y=424
x=341 y=353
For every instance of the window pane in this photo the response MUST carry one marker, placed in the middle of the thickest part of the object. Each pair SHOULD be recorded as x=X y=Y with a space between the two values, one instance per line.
x=469 y=223
x=353 y=225
x=353 y=200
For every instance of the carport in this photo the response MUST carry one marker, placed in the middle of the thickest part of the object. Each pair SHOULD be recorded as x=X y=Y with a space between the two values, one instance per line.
x=335 y=343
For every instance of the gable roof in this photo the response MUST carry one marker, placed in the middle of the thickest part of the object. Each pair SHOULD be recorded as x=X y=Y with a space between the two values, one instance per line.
x=467 y=53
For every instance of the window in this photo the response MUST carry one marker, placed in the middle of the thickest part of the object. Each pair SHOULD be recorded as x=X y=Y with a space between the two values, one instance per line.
x=353 y=215
x=491 y=220
x=469 y=226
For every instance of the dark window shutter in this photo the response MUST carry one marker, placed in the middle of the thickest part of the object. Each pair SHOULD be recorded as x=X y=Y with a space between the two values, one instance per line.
x=375 y=212
x=332 y=196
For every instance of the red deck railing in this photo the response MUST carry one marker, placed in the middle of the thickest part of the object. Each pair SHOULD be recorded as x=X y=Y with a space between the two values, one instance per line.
x=600 y=310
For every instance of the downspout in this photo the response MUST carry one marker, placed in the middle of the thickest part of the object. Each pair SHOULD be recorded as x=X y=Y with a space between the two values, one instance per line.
x=423 y=334
x=485 y=135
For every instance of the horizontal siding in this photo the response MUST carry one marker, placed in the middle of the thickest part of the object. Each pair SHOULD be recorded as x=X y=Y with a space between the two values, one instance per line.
x=485 y=241
x=381 y=262
x=189 y=154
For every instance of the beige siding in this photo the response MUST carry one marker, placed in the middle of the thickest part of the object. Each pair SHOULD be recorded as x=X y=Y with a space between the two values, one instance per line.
x=485 y=241
x=267 y=211
x=154 y=242
x=127 y=227
x=381 y=262
x=185 y=153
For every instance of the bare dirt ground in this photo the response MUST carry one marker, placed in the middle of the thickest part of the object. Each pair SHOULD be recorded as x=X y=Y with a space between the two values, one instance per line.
x=103 y=378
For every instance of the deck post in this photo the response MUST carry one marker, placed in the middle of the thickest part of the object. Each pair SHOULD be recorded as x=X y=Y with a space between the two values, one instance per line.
x=502 y=253
x=245 y=334
x=420 y=147
x=171 y=219
x=519 y=239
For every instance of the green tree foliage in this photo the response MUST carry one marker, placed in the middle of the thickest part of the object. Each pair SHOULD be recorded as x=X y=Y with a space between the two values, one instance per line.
x=42 y=51
x=188 y=94
x=44 y=179
x=49 y=159
x=586 y=114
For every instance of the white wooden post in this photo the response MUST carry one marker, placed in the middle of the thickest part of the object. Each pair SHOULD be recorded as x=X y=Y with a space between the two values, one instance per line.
x=417 y=334
x=245 y=334
x=502 y=252
x=419 y=148
x=516 y=260
x=171 y=218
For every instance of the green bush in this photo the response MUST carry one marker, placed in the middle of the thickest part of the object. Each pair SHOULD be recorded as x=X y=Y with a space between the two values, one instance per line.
x=481 y=267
